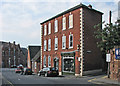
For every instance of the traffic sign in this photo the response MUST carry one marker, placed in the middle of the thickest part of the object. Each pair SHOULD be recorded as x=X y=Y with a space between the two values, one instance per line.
x=117 y=53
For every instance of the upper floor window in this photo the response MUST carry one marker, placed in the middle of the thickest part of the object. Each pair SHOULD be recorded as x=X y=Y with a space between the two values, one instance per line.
x=49 y=61
x=49 y=28
x=56 y=25
x=56 y=43
x=64 y=23
x=45 y=29
x=45 y=45
x=71 y=41
x=63 y=42
x=49 y=44
x=9 y=51
x=71 y=21
x=44 y=61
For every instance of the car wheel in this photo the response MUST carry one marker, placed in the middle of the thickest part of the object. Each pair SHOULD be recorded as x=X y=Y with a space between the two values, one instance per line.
x=46 y=74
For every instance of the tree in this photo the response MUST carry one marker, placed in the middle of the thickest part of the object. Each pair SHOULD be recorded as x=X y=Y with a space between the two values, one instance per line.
x=109 y=35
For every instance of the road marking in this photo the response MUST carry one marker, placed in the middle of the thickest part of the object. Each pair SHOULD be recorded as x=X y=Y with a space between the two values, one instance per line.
x=104 y=77
x=93 y=80
x=8 y=81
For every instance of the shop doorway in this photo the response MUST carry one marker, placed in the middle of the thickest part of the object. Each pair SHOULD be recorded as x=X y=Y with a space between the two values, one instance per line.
x=56 y=63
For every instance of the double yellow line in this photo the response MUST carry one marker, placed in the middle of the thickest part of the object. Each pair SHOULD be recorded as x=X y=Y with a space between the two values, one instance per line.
x=95 y=82
x=7 y=81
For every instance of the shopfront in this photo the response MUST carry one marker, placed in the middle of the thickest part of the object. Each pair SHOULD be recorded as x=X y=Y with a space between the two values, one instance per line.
x=68 y=62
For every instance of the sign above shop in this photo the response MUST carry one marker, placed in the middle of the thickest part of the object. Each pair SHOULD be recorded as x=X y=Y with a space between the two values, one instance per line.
x=117 y=53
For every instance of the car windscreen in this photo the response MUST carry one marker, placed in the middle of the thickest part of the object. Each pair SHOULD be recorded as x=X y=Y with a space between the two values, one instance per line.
x=52 y=69
x=46 y=69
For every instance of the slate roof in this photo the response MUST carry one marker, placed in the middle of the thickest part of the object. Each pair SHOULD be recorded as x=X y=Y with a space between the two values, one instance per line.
x=72 y=9
x=33 y=50
x=37 y=56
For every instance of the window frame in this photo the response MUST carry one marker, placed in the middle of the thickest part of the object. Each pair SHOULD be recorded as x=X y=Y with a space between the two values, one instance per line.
x=56 y=25
x=63 y=40
x=45 y=30
x=49 y=61
x=49 y=28
x=45 y=45
x=64 y=23
x=70 y=41
x=44 y=61
x=49 y=44
x=70 y=21
x=56 y=42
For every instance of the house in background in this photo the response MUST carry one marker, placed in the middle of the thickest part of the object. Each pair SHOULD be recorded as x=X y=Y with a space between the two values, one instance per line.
x=32 y=51
x=12 y=54
x=36 y=62
x=68 y=42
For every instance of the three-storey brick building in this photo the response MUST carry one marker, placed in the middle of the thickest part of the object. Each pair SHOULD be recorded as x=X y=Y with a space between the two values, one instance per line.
x=68 y=41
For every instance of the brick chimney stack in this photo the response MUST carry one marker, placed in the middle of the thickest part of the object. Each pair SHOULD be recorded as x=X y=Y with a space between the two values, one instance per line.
x=90 y=6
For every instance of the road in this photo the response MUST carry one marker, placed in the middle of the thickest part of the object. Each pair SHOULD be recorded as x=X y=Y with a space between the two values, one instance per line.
x=10 y=77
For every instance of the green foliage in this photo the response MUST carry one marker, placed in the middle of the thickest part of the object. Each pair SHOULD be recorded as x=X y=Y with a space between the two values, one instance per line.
x=110 y=36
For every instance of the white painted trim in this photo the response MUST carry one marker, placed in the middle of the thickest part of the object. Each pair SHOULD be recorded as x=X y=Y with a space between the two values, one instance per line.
x=41 y=46
x=60 y=73
x=77 y=74
x=82 y=41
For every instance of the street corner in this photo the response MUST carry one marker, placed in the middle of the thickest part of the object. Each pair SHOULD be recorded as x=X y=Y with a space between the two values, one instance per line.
x=104 y=80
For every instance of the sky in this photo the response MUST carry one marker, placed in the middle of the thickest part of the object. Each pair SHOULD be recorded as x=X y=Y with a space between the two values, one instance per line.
x=20 y=19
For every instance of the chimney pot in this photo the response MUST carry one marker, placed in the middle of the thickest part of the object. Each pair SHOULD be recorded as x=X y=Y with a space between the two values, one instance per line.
x=90 y=6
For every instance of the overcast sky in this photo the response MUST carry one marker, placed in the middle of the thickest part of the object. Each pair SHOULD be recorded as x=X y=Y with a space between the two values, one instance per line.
x=20 y=19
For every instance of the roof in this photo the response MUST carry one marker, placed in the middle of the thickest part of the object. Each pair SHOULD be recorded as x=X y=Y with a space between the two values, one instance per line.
x=37 y=56
x=72 y=9
x=33 y=50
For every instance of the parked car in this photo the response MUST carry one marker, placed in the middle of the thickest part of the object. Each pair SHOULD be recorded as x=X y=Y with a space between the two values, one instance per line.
x=48 y=71
x=27 y=71
x=20 y=66
x=18 y=70
x=13 y=66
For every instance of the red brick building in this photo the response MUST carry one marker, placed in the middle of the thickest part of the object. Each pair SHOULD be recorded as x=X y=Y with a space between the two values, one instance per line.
x=68 y=41
x=12 y=54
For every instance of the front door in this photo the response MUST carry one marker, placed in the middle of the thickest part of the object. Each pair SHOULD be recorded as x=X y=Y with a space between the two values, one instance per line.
x=56 y=63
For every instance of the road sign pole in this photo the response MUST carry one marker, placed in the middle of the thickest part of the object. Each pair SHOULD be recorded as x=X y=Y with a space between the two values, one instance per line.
x=108 y=72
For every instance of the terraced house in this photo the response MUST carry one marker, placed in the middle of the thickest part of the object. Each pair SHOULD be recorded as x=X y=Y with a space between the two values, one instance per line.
x=68 y=41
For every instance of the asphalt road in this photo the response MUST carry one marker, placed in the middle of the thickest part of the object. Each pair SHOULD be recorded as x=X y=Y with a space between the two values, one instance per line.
x=13 y=79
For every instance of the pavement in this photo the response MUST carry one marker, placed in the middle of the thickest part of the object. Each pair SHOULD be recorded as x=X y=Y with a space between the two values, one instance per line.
x=104 y=80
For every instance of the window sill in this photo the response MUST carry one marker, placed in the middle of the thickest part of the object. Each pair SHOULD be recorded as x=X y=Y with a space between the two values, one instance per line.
x=63 y=48
x=70 y=48
x=63 y=29
x=70 y=28
x=56 y=49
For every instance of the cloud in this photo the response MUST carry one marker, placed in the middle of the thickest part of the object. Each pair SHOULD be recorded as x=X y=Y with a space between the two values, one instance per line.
x=21 y=18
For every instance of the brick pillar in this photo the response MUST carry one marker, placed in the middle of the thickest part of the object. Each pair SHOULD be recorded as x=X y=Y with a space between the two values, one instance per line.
x=77 y=64
x=60 y=65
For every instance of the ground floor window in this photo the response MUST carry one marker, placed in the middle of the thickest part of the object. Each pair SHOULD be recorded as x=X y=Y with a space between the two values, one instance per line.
x=68 y=64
